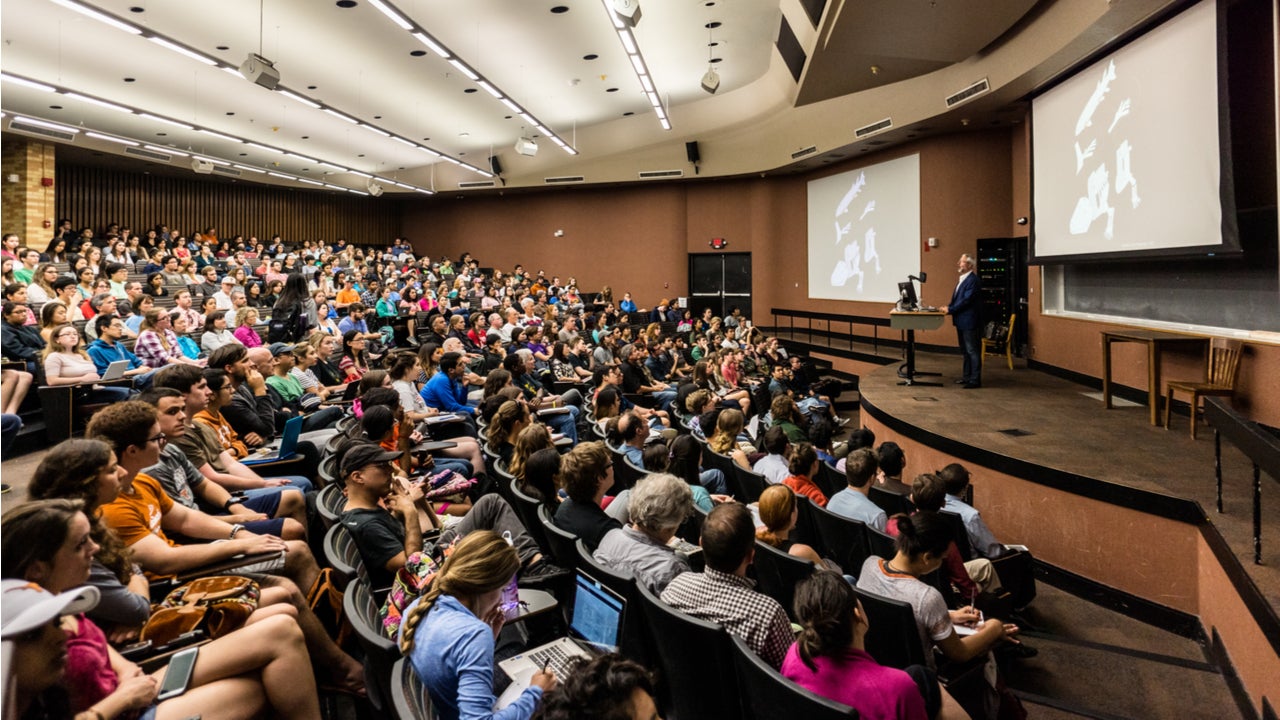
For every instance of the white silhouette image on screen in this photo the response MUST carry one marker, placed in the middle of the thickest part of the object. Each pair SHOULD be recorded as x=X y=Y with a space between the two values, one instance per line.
x=1094 y=205
x=1124 y=175
x=871 y=206
x=869 y=251
x=1120 y=112
x=849 y=267
x=842 y=230
x=1099 y=92
x=847 y=200
x=1082 y=155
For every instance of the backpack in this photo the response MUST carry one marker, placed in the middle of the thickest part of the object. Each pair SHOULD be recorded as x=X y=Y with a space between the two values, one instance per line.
x=287 y=325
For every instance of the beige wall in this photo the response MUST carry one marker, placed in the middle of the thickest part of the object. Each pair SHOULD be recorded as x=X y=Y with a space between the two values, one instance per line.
x=28 y=204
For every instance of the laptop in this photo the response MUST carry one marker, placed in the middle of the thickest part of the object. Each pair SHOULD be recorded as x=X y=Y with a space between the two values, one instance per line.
x=285 y=449
x=115 y=370
x=595 y=629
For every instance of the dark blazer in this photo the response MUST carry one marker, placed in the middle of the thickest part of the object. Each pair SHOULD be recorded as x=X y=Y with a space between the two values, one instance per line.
x=965 y=307
x=21 y=342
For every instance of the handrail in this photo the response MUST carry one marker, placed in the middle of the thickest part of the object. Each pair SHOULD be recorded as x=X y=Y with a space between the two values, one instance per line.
x=1261 y=447
x=875 y=322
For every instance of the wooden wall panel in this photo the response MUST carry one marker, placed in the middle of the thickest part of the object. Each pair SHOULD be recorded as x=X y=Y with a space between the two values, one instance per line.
x=96 y=196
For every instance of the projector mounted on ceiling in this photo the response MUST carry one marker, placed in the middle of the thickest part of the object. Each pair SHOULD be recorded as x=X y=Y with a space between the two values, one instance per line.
x=711 y=81
x=628 y=11
x=526 y=146
x=202 y=167
x=261 y=71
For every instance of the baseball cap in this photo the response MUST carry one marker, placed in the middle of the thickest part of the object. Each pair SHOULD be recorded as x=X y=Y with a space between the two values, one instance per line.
x=26 y=606
x=279 y=348
x=364 y=455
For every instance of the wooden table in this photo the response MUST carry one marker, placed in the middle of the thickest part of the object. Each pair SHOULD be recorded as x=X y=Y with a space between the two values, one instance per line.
x=1156 y=341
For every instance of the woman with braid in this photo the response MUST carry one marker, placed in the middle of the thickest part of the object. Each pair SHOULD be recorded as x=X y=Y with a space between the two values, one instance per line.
x=449 y=633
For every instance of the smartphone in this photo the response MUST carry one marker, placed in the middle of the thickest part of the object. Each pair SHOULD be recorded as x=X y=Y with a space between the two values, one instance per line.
x=178 y=674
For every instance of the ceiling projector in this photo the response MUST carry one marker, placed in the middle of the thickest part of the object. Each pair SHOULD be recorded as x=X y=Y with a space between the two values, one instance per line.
x=526 y=146
x=261 y=71
x=711 y=81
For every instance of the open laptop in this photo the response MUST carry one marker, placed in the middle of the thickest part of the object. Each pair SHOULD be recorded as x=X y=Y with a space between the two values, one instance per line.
x=285 y=449
x=115 y=370
x=595 y=629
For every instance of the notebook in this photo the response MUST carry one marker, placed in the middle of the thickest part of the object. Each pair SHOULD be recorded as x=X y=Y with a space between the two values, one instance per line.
x=286 y=448
x=595 y=629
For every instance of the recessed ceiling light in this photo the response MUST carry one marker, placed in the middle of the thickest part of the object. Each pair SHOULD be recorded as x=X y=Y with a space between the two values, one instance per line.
x=136 y=9
x=244 y=154
x=230 y=113
x=506 y=117
x=377 y=117
x=223 y=47
x=560 y=9
x=306 y=137
x=311 y=87
x=716 y=60
x=627 y=114
x=611 y=89
x=346 y=3
x=360 y=155
x=590 y=56
x=714 y=43
x=130 y=79
x=470 y=90
x=712 y=25
x=55 y=107
x=426 y=139
x=417 y=53
x=161 y=134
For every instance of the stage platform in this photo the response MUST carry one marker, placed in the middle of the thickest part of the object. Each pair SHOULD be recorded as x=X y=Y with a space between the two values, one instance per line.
x=1100 y=494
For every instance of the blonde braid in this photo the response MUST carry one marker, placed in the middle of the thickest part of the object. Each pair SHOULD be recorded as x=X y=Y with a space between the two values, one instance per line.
x=419 y=611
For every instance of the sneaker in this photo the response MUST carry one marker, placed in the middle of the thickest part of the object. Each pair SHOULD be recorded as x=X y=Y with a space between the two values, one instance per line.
x=413 y=341
x=842 y=421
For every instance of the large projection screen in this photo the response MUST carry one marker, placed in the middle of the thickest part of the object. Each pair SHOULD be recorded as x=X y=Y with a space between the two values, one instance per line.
x=864 y=231
x=1130 y=156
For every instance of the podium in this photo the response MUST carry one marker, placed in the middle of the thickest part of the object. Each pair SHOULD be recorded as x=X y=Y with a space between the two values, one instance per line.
x=911 y=321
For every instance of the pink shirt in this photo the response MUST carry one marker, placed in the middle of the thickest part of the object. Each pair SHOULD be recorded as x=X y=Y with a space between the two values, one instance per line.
x=857 y=680
x=248 y=336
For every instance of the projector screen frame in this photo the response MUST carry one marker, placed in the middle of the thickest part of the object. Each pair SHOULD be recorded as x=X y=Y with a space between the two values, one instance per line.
x=1230 y=245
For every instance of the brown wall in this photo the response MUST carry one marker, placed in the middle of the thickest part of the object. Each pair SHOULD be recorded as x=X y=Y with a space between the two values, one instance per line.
x=28 y=204
x=96 y=196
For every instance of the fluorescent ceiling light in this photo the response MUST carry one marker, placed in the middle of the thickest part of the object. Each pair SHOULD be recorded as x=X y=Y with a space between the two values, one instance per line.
x=647 y=82
x=281 y=175
x=373 y=129
x=302 y=157
x=361 y=174
x=340 y=116
x=99 y=103
x=396 y=17
x=423 y=191
x=511 y=105
x=528 y=118
x=429 y=151
x=432 y=44
x=299 y=98
x=26 y=83
x=250 y=169
x=334 y=187
x=184 y=51
x=399 y=139
x=43 y=123
x=628 y=42
x=220 y=136
x=462 y=68
x=339 y=168
x=166 y=121
x=99 y=16
x=637 y=62
x=108 y=138
x=357 y=192
x=264 y=147
x=666 y=125
x=167 y=151
x=215 y=161
x=232 y=71
x=489 y=88
x=311 y=182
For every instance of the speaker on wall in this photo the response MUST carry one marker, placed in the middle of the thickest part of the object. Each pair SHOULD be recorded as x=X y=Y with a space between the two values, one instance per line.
x=691 y=150
x=495 y=166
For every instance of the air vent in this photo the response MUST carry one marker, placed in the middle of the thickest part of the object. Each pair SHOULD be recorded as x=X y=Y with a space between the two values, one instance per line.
x=972 y=91
x=563 y=180
x=476 y=184
x=148 y=154
x=806 y=151
x=873 y=128
x=229 y=172
x=658 y=174
x=42 y=131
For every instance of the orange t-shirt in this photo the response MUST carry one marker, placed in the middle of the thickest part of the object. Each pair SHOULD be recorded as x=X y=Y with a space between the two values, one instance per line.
x=802 y=485
x=226 y=434
x=137 y=514
x=347 y=297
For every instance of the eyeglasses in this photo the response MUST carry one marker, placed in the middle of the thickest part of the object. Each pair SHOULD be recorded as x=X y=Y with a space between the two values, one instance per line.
x=159 y=439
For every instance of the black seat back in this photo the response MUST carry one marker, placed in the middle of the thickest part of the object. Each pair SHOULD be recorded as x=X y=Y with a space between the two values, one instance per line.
x=697 y=678
x=830 y=480
x=892 y=637
x=778 y=572
x=958 y=533
x=806 y=529
x=890 y=502
x=749 y=484
x=561 y=542
x=881 y=544
x=329 y=504
x=380 y=653
x=408 y=696
x=343 y=555
x=844 y=539
x=633 y=642
x=767 y=695
x=526 y=507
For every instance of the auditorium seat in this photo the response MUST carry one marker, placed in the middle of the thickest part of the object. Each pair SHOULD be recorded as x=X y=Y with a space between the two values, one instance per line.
x=698 y=678
x=767 y=695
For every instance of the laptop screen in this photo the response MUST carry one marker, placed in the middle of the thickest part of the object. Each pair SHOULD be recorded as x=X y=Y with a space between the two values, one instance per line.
x=597 y=613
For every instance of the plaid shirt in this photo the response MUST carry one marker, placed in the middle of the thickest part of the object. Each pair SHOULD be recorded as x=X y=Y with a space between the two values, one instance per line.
x=369 y=298
x=152 y=352
x=730 y=601
x=195 y=320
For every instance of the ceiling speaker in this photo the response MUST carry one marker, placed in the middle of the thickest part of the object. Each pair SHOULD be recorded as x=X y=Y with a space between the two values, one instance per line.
x=628 y=11
x=495 y=165
x=526 y=146
x=374 y=188
x=259 y=70
x=202 y=167
x=711 y=81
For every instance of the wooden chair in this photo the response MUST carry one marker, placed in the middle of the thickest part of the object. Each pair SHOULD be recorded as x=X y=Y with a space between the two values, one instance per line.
x=1220 y=380
x=1001 y=347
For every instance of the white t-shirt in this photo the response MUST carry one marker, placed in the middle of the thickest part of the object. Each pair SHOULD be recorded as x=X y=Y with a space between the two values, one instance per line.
x=932 y=619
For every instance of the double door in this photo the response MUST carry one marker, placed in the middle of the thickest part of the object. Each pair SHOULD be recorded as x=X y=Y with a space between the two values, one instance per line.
x=720 y=281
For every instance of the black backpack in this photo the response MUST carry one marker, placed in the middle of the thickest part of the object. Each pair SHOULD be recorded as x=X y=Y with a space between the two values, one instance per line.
x=288 y=325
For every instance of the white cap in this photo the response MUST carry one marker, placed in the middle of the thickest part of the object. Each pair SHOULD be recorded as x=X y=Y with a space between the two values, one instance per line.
x=25 y=606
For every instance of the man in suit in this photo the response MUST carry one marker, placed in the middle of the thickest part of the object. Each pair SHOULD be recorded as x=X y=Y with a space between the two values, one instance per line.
x=965 y=310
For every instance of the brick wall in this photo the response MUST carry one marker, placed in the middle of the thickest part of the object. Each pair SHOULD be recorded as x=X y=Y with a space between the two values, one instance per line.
x=26 y=205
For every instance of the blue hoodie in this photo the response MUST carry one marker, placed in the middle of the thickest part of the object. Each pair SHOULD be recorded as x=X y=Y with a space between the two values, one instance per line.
x=103 y=355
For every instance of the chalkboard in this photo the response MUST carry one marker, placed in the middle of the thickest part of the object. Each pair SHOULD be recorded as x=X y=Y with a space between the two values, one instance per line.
x=1242 y=293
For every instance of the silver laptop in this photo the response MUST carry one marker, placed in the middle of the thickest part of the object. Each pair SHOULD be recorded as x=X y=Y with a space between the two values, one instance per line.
x=595 y=629
x=115 y=370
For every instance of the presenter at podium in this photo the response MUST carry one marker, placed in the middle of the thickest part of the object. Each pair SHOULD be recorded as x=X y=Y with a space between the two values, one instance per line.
x=965 y=310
